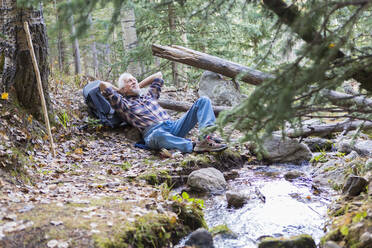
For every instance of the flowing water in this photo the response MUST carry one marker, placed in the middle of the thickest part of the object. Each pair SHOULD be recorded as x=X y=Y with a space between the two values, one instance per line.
x=289 y=208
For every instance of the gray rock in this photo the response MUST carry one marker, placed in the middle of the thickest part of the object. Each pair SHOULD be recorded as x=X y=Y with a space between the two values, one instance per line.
x=366 y=239
x=220 y=91
x=291 y=175
x=200 y=238
x=331 y=244
x=284 y=150
x=318 y=144
x=351 y=156
x=207 y=180
x=362 y=147
x=236 y=199
x=332 y=171
x=303 y=241
x=369 y=164
x=354 y=185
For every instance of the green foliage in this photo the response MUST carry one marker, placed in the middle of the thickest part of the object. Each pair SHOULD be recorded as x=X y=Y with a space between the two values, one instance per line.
x=359 y=216
x=184 y=197
x=63 y=119
x=320 y=158
x=344 y=230
x=125 y=165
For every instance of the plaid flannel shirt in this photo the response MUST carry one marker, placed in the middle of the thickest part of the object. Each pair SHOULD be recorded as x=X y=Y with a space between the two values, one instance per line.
x=139 y=111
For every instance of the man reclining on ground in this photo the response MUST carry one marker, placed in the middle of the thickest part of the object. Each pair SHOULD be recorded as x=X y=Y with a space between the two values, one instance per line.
x=145 y=113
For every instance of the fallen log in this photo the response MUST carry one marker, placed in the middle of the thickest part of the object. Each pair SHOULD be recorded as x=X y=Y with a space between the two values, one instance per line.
x=183 y=107
x=323 y=130
x=362 y=103
x=211 y=63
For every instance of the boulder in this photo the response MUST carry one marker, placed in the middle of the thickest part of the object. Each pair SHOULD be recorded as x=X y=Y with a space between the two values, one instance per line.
x=301 y=241
x=354 y=185
x=285 y=150
x=351 y=156
x=236 y=199
x=220 y=91
x=331 y=244
x=207 y=180
x=291 y=175
x=200 y=238
x=362 y=147
x=366 y=239
x=331 y=172
x=318 y=144
x=368 y=165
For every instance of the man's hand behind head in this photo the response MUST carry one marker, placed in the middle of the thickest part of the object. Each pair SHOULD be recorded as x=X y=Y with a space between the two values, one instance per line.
x=159 y=75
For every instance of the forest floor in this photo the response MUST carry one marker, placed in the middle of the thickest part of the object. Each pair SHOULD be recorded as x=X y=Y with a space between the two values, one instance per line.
x=96 y=186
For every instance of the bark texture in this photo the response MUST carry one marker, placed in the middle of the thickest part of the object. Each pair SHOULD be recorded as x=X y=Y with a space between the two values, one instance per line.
x=130 y=41
x=18 y=71
x=210 y=63
x=76 y=48
x=172 y=31
x=323 y=130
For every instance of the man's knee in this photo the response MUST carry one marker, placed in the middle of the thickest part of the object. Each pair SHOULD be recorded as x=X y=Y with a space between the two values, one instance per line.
x=204 y=99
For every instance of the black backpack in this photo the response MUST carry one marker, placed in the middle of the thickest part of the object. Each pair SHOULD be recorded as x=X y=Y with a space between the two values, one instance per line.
x=100 y=107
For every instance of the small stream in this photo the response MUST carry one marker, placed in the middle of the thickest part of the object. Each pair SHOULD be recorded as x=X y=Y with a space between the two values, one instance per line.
x=290 y=208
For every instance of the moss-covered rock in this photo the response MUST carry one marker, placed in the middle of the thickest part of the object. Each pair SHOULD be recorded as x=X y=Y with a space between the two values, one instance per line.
x=151 y=230
x=301 y=241
x=158 y=230
x=223 y=161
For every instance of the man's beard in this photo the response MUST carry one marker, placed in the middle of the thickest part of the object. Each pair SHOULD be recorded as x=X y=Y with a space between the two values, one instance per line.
x=136 y=92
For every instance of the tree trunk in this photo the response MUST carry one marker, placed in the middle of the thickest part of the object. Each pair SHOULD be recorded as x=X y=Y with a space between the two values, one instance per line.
x=75 y=47
x=61 y=46
x=323 y=130
x=210 y=63
x=94 y=51
x=130 y=41
x=172 y=31
x=291 y=16
x=183 y=107
x=18 y=68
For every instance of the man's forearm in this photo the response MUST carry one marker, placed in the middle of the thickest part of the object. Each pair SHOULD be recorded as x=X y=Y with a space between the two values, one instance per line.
x=147 y=81
x=105 y=85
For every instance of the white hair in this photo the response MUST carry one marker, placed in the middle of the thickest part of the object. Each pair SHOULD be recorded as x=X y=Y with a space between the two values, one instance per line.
x=123 y=77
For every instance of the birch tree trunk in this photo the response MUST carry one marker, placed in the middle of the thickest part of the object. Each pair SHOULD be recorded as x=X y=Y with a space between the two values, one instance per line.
x=172 y=30
x=18 y=70
x=61 y=46
x=75 y=47
x=94 y=52
x=130 y=41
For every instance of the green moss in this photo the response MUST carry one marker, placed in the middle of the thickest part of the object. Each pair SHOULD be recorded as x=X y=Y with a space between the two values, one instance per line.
x=220 y=229
x=157 y=230
x=341 y=211
x=331 y=168
x=190 y=214
x=303 y=241
x=334 y=235
x=201 y=160
x=156 y=177
x=151 y=230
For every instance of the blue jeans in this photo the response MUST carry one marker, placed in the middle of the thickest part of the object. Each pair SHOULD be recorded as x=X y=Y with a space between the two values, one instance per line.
x=171 y=134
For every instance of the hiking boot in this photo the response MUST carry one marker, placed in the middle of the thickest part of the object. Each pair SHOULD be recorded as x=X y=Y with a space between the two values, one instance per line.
x=215 y=138
x=209 y=145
